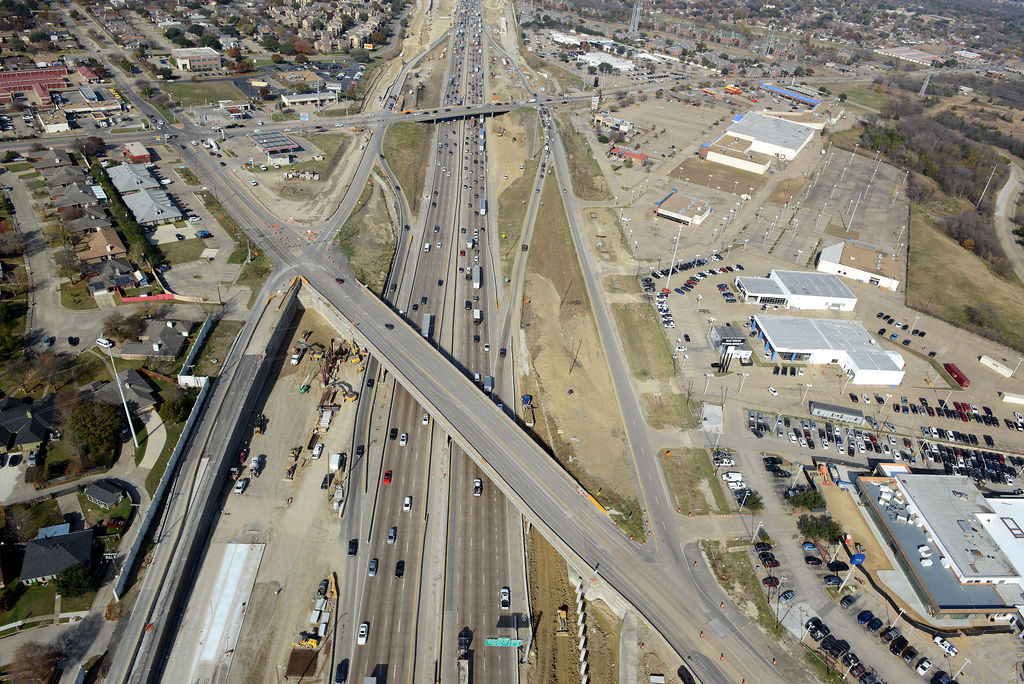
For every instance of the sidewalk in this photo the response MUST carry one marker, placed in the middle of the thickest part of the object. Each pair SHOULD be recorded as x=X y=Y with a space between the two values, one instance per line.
x=156 y=437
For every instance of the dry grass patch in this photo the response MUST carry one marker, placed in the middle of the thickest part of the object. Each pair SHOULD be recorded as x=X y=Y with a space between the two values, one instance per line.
x=407 y=151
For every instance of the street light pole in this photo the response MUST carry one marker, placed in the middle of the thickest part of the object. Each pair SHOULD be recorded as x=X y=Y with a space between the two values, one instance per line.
x=668 y=283
x=1014 y=373
x=743 y=378
x=806 y=387
x=124 y=402
x=966 y=660
x=707 y=382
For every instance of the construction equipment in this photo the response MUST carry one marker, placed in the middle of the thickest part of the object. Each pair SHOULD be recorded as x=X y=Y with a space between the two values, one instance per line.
x=306 y=640
x=259 y=424
x=563 y=622
x=333 y=593
x=294 y=453
x=304 y=387
x=289 y=472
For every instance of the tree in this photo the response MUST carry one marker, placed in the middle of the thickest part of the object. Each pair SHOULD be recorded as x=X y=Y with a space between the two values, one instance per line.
x=74 y=581
x=244 y=66
x=378 y=37
x=303 y=47
x=809 y=500
x=603 y=139
x=39 y=36
x=276 y=58
x=605 y=68
x=270 y=42
x=172 y=33
x=164 y=73
x=820 y=527
x=35 y=662
x=754 y=503
x=113 y=325
x=92 y=427
x=176 y=410
x=842 y=97
x=234 y=52
x=264 y=93
x=209 y=40
x=88 y=147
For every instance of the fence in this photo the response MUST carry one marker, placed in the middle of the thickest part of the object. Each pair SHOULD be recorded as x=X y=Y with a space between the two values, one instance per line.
x=186 y=378
x=172 y=466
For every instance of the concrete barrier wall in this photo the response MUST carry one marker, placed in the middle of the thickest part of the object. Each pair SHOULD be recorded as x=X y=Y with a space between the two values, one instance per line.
x=120 y=585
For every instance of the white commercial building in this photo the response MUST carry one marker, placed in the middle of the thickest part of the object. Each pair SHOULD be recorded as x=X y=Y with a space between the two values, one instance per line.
x=596 y=58
x=861 y=262
x=797 y=290
x=827 y=342
x=754 y=141
x=684 y=209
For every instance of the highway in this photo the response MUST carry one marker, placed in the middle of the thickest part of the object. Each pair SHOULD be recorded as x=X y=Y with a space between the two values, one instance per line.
x=652 y=578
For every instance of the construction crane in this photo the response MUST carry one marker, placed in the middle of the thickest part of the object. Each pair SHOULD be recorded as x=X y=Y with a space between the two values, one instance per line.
x=304 y=387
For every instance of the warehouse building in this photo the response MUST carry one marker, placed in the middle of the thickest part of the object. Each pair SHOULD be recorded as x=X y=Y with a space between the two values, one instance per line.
x=796 y=93
x=320 y=99
x=797 y=290
x=861 y=262
x=961 y=552
x=754 y=141
x=819 y=341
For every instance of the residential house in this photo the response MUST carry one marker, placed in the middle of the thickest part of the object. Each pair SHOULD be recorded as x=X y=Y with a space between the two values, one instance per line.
x=137 y=391
x=24 y=427
x=109 y=275
x=64 y=176
x=159 y=340
x=48 y=557
x=102 y=245
x=49 y=159
x=73 y=196
x=104 y=494
x=86 y=219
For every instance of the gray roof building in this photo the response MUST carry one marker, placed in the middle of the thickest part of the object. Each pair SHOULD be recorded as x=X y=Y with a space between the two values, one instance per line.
x=129 y=178
x=24 y=426
x=46 y=558
x=63 y=176
x=48 y=159
x=159 y=339
x=112 y=274
x=137 y=391
x=150 y=207
x=104 y=493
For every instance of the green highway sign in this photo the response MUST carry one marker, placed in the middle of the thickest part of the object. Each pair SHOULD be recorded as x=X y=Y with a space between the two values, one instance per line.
x=514 y=643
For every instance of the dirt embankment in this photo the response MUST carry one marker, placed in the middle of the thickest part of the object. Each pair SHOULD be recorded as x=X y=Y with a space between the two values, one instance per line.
x=555 y=658
x=576 y=414
x=368 y=238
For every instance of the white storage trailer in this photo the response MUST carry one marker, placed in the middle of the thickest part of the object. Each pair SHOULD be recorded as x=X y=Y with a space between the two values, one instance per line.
x=993 y=365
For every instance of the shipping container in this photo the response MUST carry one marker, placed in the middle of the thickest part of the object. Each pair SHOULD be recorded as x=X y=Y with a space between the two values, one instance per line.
x=957 y=375
x=994 y=365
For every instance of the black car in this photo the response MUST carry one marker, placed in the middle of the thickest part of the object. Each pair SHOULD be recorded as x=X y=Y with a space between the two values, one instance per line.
x=341 y=674
x=847 y=601
x=838 y=566
x=393 y=434
x=766 y=555
x=326 y=482
x=812 y=561
x=761 y=547
x=898 y=644
x=853 y=398
x=353 y=547
x=772 y=460
x=400 y=569
x=322 y=589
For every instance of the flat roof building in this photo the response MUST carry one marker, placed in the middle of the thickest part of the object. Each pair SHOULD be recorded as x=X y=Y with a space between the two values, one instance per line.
x=796 y=93
x=196 y=59
x=819 y=341
x=797 y=290
x=684 y=209
x=318 y=99
x=135 y=152
x=962 y=553
x=272 y=141
x=861 y=262
x=754 y=141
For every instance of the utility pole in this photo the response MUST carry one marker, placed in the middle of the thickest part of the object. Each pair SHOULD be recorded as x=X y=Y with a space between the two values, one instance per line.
x=124 y=402
x=986 y=186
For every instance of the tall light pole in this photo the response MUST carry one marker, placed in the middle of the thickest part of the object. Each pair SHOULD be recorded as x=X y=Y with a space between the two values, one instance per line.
x=807 y=386
x=966 y=660
x=1014 y=373
x=124 y=402
x=743 y=378
x=679 y=232
x=707 y=381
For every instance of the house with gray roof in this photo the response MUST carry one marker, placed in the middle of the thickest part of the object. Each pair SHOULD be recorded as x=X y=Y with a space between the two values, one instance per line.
x=160 y=339
x=110 y=275
x=48 y=159
x=24 y=426
x=104 y=494
x=48 y=557
x=151 y=207
x=129 y=178
x=137 y=391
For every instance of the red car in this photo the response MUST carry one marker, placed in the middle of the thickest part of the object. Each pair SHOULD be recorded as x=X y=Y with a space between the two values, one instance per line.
x=770 y=581
x=243 y=454
x=770 y=563
x=387 y=477
x=340 y=281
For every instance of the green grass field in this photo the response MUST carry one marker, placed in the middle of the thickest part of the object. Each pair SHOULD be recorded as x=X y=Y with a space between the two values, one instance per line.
x=647 y=349
x=406 y=146
x=964 y=291
x=191 y=93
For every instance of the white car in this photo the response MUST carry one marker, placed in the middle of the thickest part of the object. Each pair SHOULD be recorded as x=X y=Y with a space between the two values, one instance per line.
x=253 y=183
x=736 y=485
x=392 y=535
x=407 y=504
x=772 y=391
x=945 y=646
x=426 y=417
x=505 y=598
x=923 y=665
x=792 y=438
x=104 y=342
x=194 y=219
x=478 y=486
x=364 y=633
x=404 y=439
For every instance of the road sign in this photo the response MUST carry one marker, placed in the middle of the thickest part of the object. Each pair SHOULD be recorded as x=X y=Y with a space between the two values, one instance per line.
x=303 y=116
x=503 y=641
x=858 y=558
